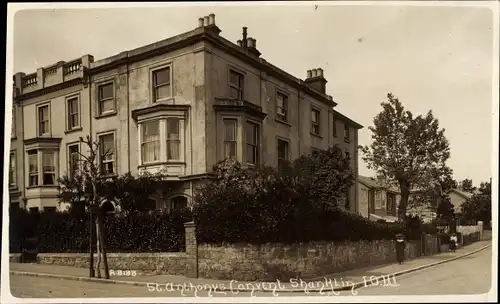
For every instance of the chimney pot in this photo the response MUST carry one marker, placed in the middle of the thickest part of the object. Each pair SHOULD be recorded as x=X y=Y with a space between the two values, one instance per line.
x=240 y=43
x=205 y=20
x=314 y=72
x=244 y=40
x=249 y=42
x=254 y=42
x=320 y=72
x=309 y=73
x=211 y=19
x=200 y=22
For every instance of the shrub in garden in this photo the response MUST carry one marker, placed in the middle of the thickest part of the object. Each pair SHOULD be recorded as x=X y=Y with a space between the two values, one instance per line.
x=262 y=205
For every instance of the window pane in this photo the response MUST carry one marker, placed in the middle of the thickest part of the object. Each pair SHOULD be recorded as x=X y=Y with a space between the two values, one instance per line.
x=73 y=105
x=43 y=113
x=162 y=77
x=151 y=128
x=235 y=79
x=33 y=162
x=162 y=92
x=179 y=203
x=173 y=128
x=173 y=149
x=106 y=91
x=282 y=149
x=107 y=146
x=48 y=162
x=229 y=149
x=230 y=129
x=251 y=134
x=251 y=154
x=107 y=105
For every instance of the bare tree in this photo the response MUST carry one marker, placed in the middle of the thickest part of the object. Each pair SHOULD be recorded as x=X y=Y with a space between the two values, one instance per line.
x=88 y=172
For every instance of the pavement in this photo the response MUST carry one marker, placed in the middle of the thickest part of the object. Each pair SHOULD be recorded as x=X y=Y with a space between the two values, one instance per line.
x=348 y=280
x=450 y=278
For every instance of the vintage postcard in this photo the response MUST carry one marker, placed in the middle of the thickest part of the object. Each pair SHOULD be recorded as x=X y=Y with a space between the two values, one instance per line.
x=251 y=152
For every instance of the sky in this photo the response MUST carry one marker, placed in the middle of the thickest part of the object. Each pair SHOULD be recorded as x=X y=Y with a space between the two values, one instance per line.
x=432 y=58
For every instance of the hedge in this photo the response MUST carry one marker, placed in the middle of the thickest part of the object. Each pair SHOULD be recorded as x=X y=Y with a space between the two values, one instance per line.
x=60 y=232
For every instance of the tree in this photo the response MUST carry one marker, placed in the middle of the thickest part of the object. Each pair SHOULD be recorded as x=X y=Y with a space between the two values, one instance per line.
x=445 y=209
x=478 y=207
x=92 y=189
x=326 y=175
x=467 y=185
x=406 y=150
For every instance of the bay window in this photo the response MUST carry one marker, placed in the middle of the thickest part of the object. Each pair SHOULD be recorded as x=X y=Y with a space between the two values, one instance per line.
x=150 y=141
x=173 y=139
x=33 y=168
x=230 y=127
x=49 y=168
x=42 y=168
x=12 y=170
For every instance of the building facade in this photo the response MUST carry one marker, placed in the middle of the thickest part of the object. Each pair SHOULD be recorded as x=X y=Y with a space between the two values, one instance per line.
x=178 y=106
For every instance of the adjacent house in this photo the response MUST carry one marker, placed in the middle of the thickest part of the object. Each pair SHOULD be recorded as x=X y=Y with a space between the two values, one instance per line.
x=458 y=197
x=179 y=105
x=379 y=201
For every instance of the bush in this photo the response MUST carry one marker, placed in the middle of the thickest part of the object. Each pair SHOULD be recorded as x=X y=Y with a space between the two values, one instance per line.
x=262 y=205
x=62 y=232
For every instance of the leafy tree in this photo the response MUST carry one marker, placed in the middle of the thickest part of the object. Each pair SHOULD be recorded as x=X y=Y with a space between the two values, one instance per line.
x=478 y=207
x=406 y=150
x=467 y=185
x=324 y=174
x=445 y=209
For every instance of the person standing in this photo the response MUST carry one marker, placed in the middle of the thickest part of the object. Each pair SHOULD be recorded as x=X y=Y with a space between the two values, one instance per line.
x=453 y=242
x=400 y=247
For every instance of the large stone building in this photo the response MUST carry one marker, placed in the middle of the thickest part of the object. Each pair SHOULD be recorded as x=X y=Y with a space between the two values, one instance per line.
x=179 y=105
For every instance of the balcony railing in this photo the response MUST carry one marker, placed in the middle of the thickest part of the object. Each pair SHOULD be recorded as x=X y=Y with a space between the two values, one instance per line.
x=30 y=80
x=72 y=67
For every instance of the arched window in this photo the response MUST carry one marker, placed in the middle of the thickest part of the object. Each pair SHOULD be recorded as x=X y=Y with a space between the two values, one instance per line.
x=107 y=207
x=178 y=203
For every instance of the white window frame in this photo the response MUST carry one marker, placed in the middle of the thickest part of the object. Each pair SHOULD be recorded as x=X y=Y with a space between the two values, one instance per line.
x=232 y=142
x=316 y=123
x=378 y=199
x=47 y=120
x=154 y=86
x=144 y=143
x=36 y=174
x=282 y=111
x=177 y=140
x=12 y=169
x=113 y=160
x=51 y=172
x=69 y=115
x=111 y=99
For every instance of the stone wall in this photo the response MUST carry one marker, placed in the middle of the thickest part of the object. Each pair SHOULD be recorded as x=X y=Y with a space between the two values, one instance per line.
x=307 y=260
x=173 y=263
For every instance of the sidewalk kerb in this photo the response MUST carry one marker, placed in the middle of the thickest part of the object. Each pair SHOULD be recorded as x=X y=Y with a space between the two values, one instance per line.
x=210 y=286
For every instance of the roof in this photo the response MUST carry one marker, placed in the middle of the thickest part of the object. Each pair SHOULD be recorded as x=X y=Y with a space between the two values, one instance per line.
x=371 y=182
x=462 y=193
x=347 y=119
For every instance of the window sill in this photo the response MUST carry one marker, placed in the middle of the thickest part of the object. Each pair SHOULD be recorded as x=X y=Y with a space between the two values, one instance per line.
x=73 y=130
x=282 y=122
x=42 y=186
x=168 y=100
x=161 y=163
x=105 y=115
x=317 y=135
x=13 y=137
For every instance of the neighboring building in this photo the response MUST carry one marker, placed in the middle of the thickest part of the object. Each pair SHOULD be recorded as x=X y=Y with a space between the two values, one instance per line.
x=379 y=201
x=180 y=106
x=458 y=197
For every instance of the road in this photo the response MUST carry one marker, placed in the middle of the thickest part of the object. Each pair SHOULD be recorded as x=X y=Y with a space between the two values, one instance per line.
x=469 y=275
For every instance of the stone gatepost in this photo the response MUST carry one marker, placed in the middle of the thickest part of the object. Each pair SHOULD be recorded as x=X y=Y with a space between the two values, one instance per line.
x=191 y=250
x=480 y=226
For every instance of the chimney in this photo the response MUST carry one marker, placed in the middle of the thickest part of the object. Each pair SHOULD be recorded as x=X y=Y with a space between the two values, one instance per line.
x=245 y=44
x=316 y=79
x=211 y=19
x=200 y=22
x=209 y=23
x=240 y=43
x=206 y=21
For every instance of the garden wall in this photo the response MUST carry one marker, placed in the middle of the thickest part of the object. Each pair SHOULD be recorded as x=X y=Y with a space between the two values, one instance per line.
x=307 y=260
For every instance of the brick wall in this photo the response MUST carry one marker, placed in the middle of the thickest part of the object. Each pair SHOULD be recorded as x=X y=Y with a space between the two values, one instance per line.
x=277 y=261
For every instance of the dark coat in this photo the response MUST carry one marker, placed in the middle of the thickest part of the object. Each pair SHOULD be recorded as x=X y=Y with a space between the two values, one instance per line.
x=400 y=251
